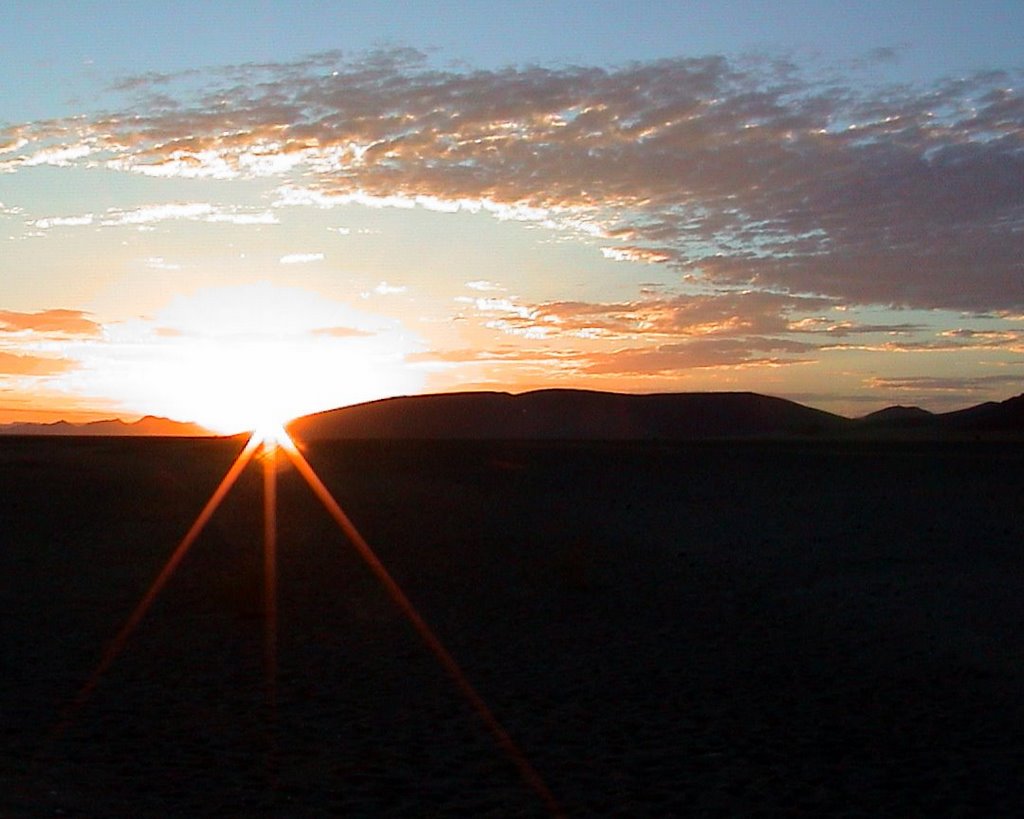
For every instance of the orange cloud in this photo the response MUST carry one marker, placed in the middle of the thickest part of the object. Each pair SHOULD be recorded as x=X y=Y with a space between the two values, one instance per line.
x=62 y=322
x=12 y=364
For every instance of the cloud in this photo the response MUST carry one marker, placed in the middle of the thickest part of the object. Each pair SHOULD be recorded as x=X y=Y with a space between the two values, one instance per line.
x=385 y=289
x=62 y=221
x=637 y=254
x=13 y=364
x=484 y=286
x=673 y=316
x=160 y=263
x=956 y=385
x=341 y=332
x=706 y=353
x=49 y=322
x=942 y=342
x=235 y=218
x=147 y=215
x=301 y=258
x=746 y=173
x=512 y=355
x=64 y=156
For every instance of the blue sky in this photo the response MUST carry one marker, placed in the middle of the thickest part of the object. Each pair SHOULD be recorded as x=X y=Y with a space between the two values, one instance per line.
x=59 y=56
x=816 y=200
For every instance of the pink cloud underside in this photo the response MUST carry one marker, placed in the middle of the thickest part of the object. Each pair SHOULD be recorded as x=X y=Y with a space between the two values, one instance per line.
x=747 y=173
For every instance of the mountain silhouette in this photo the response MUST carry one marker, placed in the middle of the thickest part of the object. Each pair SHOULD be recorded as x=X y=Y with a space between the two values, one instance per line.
x=991 y=417
x=147 y=426
x=900 y=417
x=565 y=414
x=586 y=415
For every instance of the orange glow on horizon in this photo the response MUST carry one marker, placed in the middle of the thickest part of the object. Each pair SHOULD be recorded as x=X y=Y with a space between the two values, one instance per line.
x=244 y=356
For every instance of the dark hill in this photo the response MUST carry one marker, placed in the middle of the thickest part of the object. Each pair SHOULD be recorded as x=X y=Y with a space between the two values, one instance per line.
x=997 y=418
x=899 y=417
x=148 y=426
x=570 y=415
x=992 y=416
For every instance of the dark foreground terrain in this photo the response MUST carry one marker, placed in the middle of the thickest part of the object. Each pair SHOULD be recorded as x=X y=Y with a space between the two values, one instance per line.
x=688 y=629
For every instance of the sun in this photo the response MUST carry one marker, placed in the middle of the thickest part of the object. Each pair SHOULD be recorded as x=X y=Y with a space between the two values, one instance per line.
x=238 y=359
x=272 y=436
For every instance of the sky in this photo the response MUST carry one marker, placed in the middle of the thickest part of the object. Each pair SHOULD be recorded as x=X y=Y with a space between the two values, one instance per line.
x=235 y=213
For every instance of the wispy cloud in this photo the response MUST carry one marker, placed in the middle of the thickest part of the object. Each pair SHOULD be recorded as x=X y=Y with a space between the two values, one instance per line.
x=385 y=289
x=948 y=384
x=301 y=258
x=160 y=263
x=706 y=353
x=676 y=316
x=342 y=332
x=147 y=215
x=62 y=221
x=15 y=364
x=484 y=286
x=750 y=173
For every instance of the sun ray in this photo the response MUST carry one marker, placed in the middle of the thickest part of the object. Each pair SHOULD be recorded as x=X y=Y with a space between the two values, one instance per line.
x=529 y=774
x=272 y=439
x=270 y=449
x=117 y=645
x=270 y=559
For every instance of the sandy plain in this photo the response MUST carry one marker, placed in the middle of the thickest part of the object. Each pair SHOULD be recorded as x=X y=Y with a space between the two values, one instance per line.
x=707 y=628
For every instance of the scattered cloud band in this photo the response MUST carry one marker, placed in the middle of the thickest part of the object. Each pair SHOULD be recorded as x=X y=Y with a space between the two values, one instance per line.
x=739 y=172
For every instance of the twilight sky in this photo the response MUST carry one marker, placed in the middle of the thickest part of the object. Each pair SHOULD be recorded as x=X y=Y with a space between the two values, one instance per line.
x=217 y=212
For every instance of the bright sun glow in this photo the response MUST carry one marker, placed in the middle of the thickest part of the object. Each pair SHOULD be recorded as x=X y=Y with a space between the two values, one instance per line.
x=271 y=436
x=256 y=356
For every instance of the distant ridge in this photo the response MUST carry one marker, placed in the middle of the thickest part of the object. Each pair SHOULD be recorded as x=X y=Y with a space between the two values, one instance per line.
x=899 y=418
x=149 y=426
x=1003 y=416
x=563 y=414
x=991 y=417
x=566 y=414
x=587 y=415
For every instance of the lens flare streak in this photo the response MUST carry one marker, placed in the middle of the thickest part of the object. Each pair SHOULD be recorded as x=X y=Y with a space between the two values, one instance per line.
x=270 y=565
x=118 y=643
x=274 y=441
x=270 y=597
x=444 y=657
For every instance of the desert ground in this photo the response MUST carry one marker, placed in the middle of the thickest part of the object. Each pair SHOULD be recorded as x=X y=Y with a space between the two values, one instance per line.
x=707 y=628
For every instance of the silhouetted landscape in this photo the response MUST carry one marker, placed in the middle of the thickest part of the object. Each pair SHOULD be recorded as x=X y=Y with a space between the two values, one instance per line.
x=148 y=426
x=606 y=416
x=565 y=414
x=729 y=604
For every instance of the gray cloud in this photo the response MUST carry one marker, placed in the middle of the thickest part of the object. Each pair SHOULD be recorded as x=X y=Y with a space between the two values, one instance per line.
x=705 y=353
x=956 y=385
x=747 y=173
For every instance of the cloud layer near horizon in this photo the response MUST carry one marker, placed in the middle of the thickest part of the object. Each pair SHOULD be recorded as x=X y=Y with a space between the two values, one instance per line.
x=741 y=173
